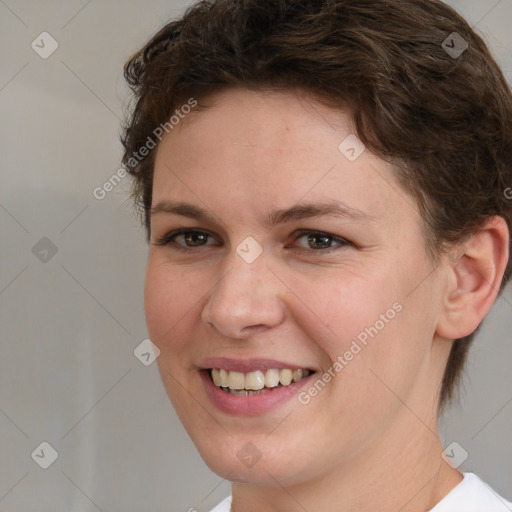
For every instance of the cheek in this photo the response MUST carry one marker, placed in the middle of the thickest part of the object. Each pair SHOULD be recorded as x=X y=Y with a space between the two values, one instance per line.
x=338 y=308
x=364 y=326
x=169 y=297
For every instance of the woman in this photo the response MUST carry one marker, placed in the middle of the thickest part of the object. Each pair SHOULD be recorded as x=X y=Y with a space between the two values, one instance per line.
x=328 y=222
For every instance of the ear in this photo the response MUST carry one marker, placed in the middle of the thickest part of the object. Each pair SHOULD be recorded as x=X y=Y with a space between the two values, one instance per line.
x=474 y=274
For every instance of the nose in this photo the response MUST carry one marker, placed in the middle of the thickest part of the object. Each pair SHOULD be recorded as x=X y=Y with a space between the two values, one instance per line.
x=247 y=299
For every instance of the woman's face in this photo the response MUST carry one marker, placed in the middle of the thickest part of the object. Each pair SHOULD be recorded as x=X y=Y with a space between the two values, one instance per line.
x=295 y=250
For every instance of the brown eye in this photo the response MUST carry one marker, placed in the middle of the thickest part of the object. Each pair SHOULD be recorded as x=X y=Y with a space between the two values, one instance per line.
x=318 y=240
x=195 y=238
x=187 y=239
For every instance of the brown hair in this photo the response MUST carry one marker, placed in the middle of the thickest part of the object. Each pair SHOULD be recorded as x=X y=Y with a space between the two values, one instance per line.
x=444 y=118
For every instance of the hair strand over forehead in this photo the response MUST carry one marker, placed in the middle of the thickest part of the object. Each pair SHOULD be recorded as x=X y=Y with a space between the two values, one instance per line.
x=445 y=122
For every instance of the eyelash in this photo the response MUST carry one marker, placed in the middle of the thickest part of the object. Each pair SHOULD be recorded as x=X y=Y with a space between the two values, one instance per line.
x=169 y=239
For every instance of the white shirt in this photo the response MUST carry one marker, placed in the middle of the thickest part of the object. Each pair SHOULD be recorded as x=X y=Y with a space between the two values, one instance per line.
x=471 y=495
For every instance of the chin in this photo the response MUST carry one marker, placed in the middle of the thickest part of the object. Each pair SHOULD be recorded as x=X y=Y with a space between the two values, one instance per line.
x=248 y=466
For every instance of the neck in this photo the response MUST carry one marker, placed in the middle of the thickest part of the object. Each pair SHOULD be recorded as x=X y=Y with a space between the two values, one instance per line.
x=402 y=472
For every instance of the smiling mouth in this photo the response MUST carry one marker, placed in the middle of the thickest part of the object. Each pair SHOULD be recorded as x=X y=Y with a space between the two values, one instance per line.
x=256 y=382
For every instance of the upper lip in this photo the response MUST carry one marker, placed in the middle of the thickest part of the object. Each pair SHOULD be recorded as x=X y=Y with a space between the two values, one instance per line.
x=249 y=365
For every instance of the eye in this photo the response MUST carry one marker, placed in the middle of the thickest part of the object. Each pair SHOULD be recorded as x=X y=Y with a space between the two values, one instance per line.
x=318 y=240
x=187 y=239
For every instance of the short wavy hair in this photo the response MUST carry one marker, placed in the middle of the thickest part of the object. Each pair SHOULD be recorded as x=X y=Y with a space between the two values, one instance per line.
x=443 y=117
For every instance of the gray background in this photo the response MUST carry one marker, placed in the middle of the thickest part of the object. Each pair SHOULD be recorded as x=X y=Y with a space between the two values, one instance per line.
x=69 y=325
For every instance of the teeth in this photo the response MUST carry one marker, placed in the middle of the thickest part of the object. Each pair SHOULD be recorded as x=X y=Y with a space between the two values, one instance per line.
x=216 y=377
x=236 y=380
x=224 y=381
x=285 y=377
x=272 y=378
x=245 y=392
x=257 y=380
x=297 y=375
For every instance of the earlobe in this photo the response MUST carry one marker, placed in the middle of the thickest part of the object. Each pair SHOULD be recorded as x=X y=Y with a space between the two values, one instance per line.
x=474 y=279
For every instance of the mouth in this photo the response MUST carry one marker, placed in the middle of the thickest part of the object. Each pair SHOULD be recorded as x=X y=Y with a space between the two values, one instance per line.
x=256 y=382
x=252 y=386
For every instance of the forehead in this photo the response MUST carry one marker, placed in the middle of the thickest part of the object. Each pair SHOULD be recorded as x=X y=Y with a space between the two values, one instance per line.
x=253 y=151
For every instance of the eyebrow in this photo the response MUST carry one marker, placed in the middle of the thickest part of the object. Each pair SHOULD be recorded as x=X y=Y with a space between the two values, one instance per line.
x=275 y=217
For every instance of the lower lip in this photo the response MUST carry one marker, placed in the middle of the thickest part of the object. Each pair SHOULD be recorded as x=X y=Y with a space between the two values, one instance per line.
x=253 y=404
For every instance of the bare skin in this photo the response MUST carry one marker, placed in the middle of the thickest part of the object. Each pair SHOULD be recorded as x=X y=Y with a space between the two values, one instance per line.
x=369 y=439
